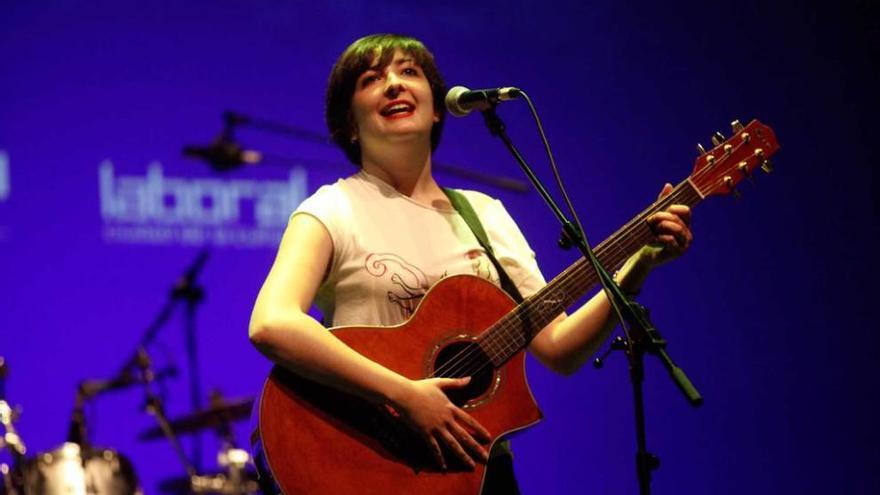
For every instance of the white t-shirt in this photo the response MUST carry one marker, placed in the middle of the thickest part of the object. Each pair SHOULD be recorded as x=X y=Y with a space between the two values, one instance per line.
x=388 y=250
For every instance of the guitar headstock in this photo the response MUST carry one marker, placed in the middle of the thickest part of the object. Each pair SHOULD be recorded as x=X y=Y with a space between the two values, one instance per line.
x=720 y=169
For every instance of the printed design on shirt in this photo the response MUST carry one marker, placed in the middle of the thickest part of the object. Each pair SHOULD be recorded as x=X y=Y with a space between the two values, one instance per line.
x=482 y=266
x=409 y=282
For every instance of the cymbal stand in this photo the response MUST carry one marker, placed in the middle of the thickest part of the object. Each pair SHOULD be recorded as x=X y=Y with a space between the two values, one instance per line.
x=185 y=289
x=192 y=294
x=154 y=406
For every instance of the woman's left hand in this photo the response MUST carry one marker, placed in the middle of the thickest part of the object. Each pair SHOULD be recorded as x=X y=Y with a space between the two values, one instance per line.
x=672 y=232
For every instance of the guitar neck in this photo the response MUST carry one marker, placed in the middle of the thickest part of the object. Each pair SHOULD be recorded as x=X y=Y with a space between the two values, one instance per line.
x=716 y=172
x=513 y=332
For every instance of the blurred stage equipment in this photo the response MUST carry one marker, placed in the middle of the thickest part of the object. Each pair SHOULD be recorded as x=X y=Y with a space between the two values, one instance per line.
x=72 y=469
x=238 y=476
x=137 y=370
x=217 y=417
x=77 y=467
x=225 y=154
x=12 y=475
x=186 y=290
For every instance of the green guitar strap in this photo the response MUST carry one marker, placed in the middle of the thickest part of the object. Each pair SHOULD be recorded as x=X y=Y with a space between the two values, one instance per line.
x=464 y=208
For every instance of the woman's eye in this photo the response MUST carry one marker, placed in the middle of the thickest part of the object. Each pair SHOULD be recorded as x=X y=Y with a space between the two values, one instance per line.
x=411 y=71
x=367 y=80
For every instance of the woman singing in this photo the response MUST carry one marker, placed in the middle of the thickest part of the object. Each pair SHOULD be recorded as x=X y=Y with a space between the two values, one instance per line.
x=368 y=247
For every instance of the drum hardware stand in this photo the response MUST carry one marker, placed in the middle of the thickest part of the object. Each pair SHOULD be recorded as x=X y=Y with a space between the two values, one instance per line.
x=12 y=477
x=642 y=336
x=154 y=406
x=234 y=478
x=77 y=432
x=233 y=459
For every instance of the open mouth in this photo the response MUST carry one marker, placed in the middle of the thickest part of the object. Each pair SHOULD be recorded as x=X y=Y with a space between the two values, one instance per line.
x=398 y=109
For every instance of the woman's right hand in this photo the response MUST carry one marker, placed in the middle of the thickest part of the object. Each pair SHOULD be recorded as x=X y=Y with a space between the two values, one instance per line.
x=424 y=406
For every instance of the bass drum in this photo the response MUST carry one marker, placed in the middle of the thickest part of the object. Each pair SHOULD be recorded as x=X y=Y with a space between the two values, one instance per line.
x=69 y=471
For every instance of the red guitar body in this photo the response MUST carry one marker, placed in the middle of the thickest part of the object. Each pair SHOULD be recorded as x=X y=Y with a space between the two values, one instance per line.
x=321 y=441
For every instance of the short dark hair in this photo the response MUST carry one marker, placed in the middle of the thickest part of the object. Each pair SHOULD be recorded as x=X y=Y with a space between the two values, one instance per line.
x=358 y=58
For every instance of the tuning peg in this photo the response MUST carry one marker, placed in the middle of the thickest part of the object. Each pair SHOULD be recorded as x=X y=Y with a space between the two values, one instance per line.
x=717 y=138
x=700 y=149
x=743 y=168
x=745 y=137
x=736 y=126
x=767 y=166
x=728 y=148
x=710 y=160
x=728 y=181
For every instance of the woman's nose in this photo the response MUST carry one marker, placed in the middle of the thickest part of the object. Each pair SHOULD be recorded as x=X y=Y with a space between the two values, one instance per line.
x=393 y=85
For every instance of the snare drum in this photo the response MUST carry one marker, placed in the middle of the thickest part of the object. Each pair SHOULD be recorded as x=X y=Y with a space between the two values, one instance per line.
x=69 y=471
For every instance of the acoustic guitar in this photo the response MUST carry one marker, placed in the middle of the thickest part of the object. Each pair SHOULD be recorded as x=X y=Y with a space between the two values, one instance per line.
x=318 y=440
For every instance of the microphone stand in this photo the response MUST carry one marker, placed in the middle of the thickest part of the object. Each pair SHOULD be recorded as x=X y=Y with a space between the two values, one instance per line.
x=643 y=337
x=187 y=290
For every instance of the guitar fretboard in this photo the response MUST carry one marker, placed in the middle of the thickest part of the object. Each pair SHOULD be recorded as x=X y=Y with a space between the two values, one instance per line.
x=515 y=330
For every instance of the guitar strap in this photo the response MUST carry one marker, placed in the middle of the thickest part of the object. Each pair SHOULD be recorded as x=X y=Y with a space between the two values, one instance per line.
x=464 y=208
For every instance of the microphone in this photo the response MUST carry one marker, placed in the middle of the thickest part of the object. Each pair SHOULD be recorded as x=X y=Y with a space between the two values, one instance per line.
x=460 y=101
x=223 y=154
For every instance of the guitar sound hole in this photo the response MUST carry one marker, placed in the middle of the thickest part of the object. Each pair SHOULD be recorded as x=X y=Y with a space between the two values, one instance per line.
x=460 y=359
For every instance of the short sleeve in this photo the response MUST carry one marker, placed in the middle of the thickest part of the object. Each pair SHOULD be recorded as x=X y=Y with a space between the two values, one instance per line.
x=510 y=245
x=330 y=206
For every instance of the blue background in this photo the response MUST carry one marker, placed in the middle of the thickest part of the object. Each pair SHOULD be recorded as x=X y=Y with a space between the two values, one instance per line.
x=770 y=313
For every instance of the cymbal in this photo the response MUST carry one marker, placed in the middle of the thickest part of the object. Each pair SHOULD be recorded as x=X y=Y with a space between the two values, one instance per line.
x=212 y=417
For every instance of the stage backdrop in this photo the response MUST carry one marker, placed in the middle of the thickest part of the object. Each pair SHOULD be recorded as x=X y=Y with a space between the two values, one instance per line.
x=770 y=313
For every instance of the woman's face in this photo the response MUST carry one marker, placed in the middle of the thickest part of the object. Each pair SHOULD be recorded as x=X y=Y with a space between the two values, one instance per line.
x=394 y=103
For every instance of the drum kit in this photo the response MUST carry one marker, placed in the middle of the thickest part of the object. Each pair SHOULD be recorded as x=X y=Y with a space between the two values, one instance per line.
x=79 y=468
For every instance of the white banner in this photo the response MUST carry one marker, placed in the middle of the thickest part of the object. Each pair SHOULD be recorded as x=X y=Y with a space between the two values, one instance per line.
x=157 y=209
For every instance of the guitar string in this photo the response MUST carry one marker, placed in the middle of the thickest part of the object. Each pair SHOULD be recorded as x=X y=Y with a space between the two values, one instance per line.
x=512 y=342
x=502 y=329
x=582 y=279
x=584 y=282
x=462 y=363
x=578 y=281
x=464 y=360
